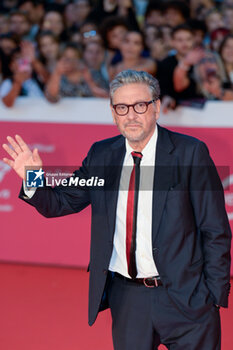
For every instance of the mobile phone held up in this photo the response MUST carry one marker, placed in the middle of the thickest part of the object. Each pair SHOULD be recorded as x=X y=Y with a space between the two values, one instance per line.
x=24 y=65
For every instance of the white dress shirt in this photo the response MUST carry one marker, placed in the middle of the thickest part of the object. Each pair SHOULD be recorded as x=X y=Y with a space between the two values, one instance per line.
x=144 y=258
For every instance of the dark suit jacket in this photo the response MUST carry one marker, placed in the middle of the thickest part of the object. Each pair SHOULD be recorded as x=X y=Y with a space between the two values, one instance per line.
x=190 y=230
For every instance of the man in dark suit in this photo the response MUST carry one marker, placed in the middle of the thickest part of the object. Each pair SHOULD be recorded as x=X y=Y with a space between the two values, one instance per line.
x=160 y=240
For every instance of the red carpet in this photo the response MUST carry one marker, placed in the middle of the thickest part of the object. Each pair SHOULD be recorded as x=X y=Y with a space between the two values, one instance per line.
x=45 y=308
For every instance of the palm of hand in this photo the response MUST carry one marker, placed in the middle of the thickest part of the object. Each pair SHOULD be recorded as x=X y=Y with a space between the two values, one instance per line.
x=24 y=159
x=21 y=155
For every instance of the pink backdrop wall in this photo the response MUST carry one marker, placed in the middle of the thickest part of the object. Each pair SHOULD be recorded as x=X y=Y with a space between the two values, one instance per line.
x=28 y=237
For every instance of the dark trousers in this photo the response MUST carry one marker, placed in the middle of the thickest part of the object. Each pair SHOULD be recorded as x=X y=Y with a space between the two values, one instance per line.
x=143 y=318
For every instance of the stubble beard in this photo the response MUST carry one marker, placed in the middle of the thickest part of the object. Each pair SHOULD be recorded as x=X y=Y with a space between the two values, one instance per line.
x=134 y=137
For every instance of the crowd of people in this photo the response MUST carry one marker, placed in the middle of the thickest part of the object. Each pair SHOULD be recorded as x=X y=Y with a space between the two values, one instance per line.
x=62 y=48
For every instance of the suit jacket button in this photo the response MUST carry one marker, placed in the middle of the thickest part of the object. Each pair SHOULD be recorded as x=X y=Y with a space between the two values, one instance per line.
x=105 y=271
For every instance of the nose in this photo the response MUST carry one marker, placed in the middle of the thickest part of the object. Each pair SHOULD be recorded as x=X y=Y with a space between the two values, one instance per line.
x=131 y=113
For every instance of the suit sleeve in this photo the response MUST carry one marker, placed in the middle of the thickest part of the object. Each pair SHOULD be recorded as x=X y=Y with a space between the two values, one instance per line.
x=61 y=200
x=208 y=202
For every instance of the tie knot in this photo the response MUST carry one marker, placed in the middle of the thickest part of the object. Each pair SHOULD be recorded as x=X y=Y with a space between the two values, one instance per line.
x=137 y=156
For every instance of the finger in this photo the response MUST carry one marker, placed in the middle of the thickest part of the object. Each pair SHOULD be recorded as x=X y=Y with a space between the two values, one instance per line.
x=14 y=144
x=9 y=162
x=36 y=156
x=10 y=151
x=22 y=144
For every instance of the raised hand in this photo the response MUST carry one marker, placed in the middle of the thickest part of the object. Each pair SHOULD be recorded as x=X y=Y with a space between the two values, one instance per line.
x=62 y=67
x=21 y=156
x=194 y=56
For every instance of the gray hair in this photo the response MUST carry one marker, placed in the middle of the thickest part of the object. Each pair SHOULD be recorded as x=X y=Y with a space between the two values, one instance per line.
x=130 y=76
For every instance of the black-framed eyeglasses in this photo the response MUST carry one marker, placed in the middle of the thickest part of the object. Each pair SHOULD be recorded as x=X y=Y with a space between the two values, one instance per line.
x=138 y=107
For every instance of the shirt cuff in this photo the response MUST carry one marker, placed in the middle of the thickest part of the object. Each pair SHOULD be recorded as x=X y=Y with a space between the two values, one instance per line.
x=28 y=192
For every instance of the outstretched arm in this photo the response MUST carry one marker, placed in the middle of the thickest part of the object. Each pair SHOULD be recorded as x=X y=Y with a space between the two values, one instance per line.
x=50 y=202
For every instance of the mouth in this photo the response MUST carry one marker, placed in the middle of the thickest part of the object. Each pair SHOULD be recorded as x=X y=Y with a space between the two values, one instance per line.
x=133 y=126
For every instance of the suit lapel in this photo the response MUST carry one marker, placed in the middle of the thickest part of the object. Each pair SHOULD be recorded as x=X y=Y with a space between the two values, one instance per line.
x=113 y=166
x=163 y=178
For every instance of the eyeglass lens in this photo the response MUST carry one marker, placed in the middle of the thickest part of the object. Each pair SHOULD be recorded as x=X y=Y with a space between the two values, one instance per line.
x=140 y=107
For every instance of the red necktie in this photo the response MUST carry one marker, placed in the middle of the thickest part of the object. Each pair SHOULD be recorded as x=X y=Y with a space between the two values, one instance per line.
x=131 y=218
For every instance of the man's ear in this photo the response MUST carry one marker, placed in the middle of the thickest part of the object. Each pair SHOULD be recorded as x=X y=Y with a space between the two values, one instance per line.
x=157 y=109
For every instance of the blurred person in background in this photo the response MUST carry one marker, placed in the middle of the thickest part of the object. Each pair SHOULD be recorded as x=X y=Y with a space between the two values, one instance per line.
x=154 y=14
x=217 y=36
x=28 y=52
x=131 y=49
x=34 y=10
x=226 y=54
x=76 y=13
x=158 y=41
x=4 y=23
x=21 y=82
x=8 y=5
x=109 y=8
x=70 y=15
x=113 y=31
x=8 y=43
x=71 y=78
x=209 y=75
x=213 y=20
x=75 y=37
x=82 y=10
x=175 y=72
x=227 y=12
x=49 y=50
x=62 y=3
x=89 y=33
x=54 y=21
x=1 y=63
x=228 y=2
x=175 y=13
x=158 y=48
x=199 y=30
x=20 y=25
x=93 y=56
x=166 y=31
x=150 y=32
x=199 y=8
